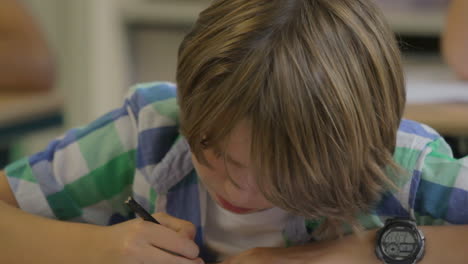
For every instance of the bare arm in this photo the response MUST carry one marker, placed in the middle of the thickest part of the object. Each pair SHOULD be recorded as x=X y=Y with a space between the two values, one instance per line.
x=455 y=38
x=6 y=194
x=44 y=240
x=25 y=60
x=27 y=238
x=444 y=244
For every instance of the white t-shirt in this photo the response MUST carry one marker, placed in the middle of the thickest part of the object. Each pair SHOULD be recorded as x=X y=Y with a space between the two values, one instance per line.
x=227 y=234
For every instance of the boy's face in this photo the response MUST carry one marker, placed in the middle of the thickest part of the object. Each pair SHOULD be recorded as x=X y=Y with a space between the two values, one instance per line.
x=234 y=159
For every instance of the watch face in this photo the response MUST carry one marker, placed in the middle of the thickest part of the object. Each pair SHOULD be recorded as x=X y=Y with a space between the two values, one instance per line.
x=400 y=243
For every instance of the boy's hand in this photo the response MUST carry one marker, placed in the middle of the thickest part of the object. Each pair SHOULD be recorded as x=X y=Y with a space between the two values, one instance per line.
x=348 y=250
x=139 y=241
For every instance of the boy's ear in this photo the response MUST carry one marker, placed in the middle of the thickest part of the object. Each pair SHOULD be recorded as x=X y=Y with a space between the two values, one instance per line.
x=204 y=142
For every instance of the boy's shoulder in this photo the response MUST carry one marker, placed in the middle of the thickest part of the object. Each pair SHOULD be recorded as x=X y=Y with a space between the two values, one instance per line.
x=415 y=136
x=414 y=141
x=418 y=129
x=154 y=98
x=154 y=91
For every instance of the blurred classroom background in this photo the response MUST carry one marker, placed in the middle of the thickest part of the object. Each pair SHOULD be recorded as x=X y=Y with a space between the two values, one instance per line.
x=103 y=46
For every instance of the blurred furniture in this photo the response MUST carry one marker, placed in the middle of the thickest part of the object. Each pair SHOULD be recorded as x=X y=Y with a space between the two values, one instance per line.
x=415 y=17
x=435 y=96
x=26 y=112
x=449 y=119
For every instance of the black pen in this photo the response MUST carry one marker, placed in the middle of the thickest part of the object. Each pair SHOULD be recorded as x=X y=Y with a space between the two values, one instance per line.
x=141 y=212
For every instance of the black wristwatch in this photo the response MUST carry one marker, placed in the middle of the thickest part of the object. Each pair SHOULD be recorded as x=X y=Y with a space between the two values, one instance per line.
x=400 y=242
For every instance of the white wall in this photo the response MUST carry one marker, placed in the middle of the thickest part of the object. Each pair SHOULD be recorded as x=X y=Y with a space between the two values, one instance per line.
x=86 y=39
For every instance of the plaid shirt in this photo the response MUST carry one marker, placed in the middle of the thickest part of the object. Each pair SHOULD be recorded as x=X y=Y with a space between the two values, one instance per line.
x=86 y=175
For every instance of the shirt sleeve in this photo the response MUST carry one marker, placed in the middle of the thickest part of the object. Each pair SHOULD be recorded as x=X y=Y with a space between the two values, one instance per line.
x=442 y=187
x=86 y=175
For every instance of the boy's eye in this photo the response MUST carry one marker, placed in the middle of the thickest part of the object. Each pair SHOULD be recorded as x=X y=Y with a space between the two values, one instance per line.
x=218 y=154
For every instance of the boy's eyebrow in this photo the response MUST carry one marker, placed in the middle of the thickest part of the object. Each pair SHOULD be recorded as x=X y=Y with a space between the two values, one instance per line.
x=228 y=157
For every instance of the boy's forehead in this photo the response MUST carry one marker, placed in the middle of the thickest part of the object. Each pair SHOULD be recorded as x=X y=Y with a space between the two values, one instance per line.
x=237 y=145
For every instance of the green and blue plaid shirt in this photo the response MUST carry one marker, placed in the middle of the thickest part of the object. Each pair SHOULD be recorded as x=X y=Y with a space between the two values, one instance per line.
x=86 y=175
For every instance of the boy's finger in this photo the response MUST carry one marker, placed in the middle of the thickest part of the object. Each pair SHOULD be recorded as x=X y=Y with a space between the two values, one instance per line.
x=155 y=255
x=168 y=239
x=185 y=228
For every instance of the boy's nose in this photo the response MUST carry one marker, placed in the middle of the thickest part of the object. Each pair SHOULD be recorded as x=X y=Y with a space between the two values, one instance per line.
x=245 y=197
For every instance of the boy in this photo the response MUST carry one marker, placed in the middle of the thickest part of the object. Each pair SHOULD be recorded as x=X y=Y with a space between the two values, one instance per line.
x=291 y=136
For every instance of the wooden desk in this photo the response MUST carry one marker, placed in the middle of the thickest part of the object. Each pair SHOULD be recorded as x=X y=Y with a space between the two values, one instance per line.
x=435 y=96
x=449 y=119
x=24 y=112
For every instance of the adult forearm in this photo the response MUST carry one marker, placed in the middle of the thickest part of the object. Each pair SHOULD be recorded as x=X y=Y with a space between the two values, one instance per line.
x=26 y=238
x=455 y=37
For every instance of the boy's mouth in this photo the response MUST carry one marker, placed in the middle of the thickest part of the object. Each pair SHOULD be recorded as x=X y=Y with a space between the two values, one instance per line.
x=230 y=207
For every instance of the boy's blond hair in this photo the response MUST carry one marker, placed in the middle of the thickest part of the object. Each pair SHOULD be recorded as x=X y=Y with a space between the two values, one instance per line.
x=320 y=82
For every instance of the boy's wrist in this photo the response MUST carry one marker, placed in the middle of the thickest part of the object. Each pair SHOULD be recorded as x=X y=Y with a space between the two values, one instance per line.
x=351 y=249
x=400 y=241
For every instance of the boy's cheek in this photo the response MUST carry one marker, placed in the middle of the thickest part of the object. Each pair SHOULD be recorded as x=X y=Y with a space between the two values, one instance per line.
x=206 y=175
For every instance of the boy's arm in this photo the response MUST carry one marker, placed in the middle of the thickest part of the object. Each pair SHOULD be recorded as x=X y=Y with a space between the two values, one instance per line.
x=26 y=238
x=455 y=38
x=6 y=194
x=86 y=175
x=444 y=244
x=22 y=232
